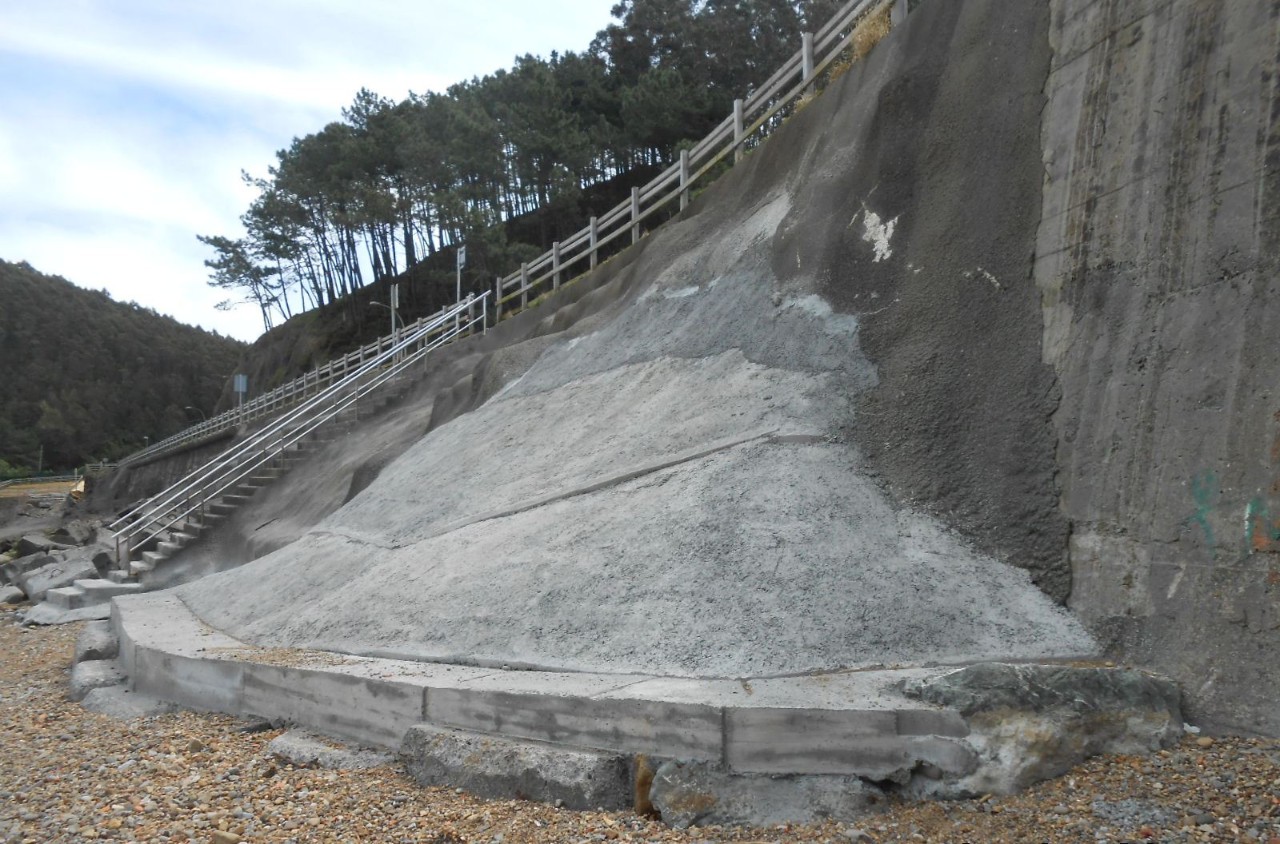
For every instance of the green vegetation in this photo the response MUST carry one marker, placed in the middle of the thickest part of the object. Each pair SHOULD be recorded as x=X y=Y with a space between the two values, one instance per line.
x=84 y=378
x=395 y=183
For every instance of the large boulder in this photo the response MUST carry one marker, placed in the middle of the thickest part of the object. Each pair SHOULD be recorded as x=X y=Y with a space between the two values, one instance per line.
x=34 y=543
x=37 y=582
x=74 y=532
x=9 y=571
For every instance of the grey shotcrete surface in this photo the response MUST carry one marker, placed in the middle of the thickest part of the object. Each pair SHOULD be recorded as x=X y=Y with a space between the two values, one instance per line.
x=668 y=487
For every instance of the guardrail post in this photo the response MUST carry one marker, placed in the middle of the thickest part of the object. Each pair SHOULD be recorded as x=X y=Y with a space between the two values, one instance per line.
x=497 y=302
x=738 y=132
x=684 y=179
x=899 y=12
x=524 y=285
x=484 y=315
x=595 y=238
x=555 y=265
x=806 y=51
x=635 y=215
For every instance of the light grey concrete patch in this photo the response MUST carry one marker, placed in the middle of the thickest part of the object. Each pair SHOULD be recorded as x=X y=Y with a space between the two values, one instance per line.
x=748 y=575
x=93 y=674
x=97 y=641
x=504 y=768
x=699 y=794
x=307 y=750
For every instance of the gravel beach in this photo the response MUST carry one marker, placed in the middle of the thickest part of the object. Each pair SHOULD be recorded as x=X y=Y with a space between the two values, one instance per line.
x=70 y=775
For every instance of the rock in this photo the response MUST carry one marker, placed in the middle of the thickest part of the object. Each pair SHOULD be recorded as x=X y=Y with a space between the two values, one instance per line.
x=120 y=703
x=509 y=768
x=74 y=532
x=95 y=674
x=49 y=614
x=10 y=571
x=305 y=750
x=1033 y=722
x=1204 y=741
x=97 y=641
x=702 y=794
x=11 y=595
x=223 y=837
x=34 y=543
x=37 y=582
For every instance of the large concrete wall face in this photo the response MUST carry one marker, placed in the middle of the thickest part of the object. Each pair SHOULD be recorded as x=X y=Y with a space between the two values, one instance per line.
x=1157 y=261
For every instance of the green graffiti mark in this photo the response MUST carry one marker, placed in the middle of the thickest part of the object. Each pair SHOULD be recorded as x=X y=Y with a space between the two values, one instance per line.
x=1204 y=491
x=1260 y=530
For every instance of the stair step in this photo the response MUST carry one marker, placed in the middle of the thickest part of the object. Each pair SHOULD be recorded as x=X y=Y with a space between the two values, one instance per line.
x=168 y=548
x=183 y=538
x=154 y=558
x=66 y=597
x=99 y=591
x=219 y=508
x=117 y=576
x=140 y=567
x=235 y=500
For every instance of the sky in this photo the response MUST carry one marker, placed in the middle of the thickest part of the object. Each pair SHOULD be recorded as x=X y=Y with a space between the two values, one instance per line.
x=125 y=124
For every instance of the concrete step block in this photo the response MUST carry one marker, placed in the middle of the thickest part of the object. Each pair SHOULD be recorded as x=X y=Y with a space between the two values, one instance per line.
x=100 y=591
x=66 y=597
x=505 y=768
x=137 y=568
x=236 y=499
x=220 y=508
x=153 y=558
x=118 y=576
x=168 y=548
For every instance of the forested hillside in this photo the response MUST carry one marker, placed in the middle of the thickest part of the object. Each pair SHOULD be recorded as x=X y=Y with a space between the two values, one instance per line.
x=392 y=183
x=85 y=378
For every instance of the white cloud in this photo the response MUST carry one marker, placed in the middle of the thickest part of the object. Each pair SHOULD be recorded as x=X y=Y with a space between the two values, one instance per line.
x=127 y=123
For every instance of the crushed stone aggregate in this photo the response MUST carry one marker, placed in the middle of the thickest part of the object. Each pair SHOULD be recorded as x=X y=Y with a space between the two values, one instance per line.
x=71 y=775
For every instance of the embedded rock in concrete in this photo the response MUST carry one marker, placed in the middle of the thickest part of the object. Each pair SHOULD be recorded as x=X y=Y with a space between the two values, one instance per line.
x=94 y=674
x=11 y=595
x=702 y=794
x=306 y=750
x=120 y=703
x=37 y=582
x=1033 y=722
x=97 y=641
x=507 y=768
x=10 y=571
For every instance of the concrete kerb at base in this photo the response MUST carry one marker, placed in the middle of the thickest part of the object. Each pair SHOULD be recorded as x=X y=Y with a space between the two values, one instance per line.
x=743 y=733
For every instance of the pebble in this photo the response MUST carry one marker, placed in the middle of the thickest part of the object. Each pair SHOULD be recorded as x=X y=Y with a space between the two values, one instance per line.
x=69 y=774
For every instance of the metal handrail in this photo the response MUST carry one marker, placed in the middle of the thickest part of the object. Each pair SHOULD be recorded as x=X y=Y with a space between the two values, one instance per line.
x=190 y=494
x=435 y=324
x=797 y=75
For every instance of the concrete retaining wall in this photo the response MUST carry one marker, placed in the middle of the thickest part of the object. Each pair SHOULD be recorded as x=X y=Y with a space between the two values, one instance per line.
x=1158 y=262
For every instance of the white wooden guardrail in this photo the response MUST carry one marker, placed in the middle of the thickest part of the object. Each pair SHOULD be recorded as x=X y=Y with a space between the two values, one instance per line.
x=750 y=119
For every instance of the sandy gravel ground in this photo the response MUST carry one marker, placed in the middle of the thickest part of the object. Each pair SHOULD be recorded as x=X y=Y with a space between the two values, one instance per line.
x=69 y=775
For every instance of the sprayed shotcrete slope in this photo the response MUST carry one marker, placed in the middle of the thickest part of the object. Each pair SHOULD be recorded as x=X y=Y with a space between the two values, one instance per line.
x=676 y=485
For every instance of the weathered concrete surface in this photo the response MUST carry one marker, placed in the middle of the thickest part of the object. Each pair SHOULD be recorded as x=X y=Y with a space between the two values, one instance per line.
x=701 y=794
x=1158 y=265
x=495 y=767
